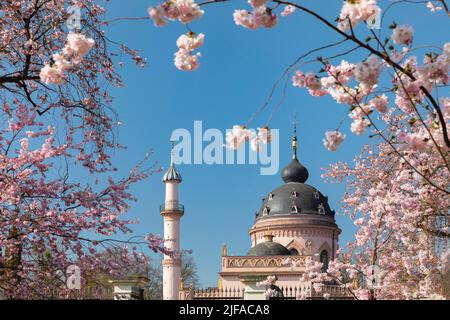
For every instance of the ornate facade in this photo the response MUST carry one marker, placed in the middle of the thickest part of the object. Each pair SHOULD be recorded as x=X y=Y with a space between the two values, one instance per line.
x=294 y=224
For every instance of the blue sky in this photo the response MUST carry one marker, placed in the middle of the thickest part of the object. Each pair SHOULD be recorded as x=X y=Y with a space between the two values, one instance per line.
x=238 y=68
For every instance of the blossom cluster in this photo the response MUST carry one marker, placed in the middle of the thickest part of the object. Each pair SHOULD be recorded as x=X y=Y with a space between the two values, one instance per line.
x=260 y=16
x=333 y=140
x=77 y=46
x=184 y=11
x=402 y=35
x=433 y=72
x=288 y=10
x=368 y=71
x=310 y=81
x=238 y=135
x=434 y=6
x=356 y=11
x=269 y=285
x=185 y=58
x=387 y=203
x=269 y=281
x=364 y=100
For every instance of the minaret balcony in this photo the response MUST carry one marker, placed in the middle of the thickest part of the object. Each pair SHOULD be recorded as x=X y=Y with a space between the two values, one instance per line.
x=172 y=207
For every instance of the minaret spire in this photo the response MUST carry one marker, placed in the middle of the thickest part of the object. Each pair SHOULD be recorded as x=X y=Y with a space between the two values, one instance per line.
x=171 y=152
x=172 y=174
x=294 y=138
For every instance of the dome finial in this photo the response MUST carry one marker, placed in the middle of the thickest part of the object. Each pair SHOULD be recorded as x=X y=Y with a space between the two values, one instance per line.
x=172 y=174
x=171 y=151
x=294 y=138
x=295 y=171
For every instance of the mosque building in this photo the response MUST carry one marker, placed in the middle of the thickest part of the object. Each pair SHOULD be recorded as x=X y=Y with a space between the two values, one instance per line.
x=294 y=223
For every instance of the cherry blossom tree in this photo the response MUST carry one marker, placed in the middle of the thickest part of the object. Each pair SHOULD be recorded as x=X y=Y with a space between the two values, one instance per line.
x=56 y=124
x=401 y=248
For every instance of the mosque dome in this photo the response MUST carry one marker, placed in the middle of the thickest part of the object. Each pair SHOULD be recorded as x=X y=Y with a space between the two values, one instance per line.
x=295 y=197
x=268 y=248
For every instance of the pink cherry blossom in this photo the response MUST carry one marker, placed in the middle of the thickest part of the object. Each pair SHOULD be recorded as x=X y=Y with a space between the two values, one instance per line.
x=244 y=18
x=359 y=126
x=434 y=6
x=270 y=280
x=190 y=41
x=257 y=3
x=263 y=137
x=259 y=17
x=237 y=136
x=288 y=10
x=416 y=141
x=188 y=10
x=298 y=79
x=158 y=16
x=356 y=11
x=186 y=61
x=379 y=103
x=184 y=11
x=185 y=58
x=333 y=140
x=338 y=75
x=52 y=75
x=312 y=82
x=368 y=72
x=78 y=45
x=61 y=63
x=403 y=35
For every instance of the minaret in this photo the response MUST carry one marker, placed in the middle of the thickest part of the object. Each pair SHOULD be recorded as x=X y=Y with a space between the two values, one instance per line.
x=172 y=211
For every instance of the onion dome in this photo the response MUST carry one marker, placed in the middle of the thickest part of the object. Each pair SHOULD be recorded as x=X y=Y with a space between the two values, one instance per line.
x=295 y=172
x=172 y=174
x=295 y=197
x=268 y=248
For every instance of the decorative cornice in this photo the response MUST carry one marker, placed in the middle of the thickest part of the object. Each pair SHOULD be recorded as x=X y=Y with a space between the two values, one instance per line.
x=172 y=214
x=242 y=262
x=299 y=227
x=171 y=262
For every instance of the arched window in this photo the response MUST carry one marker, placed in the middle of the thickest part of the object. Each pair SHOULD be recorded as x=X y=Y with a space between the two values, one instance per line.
x=266 y=211
x=293 y=252
x=324 y=260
